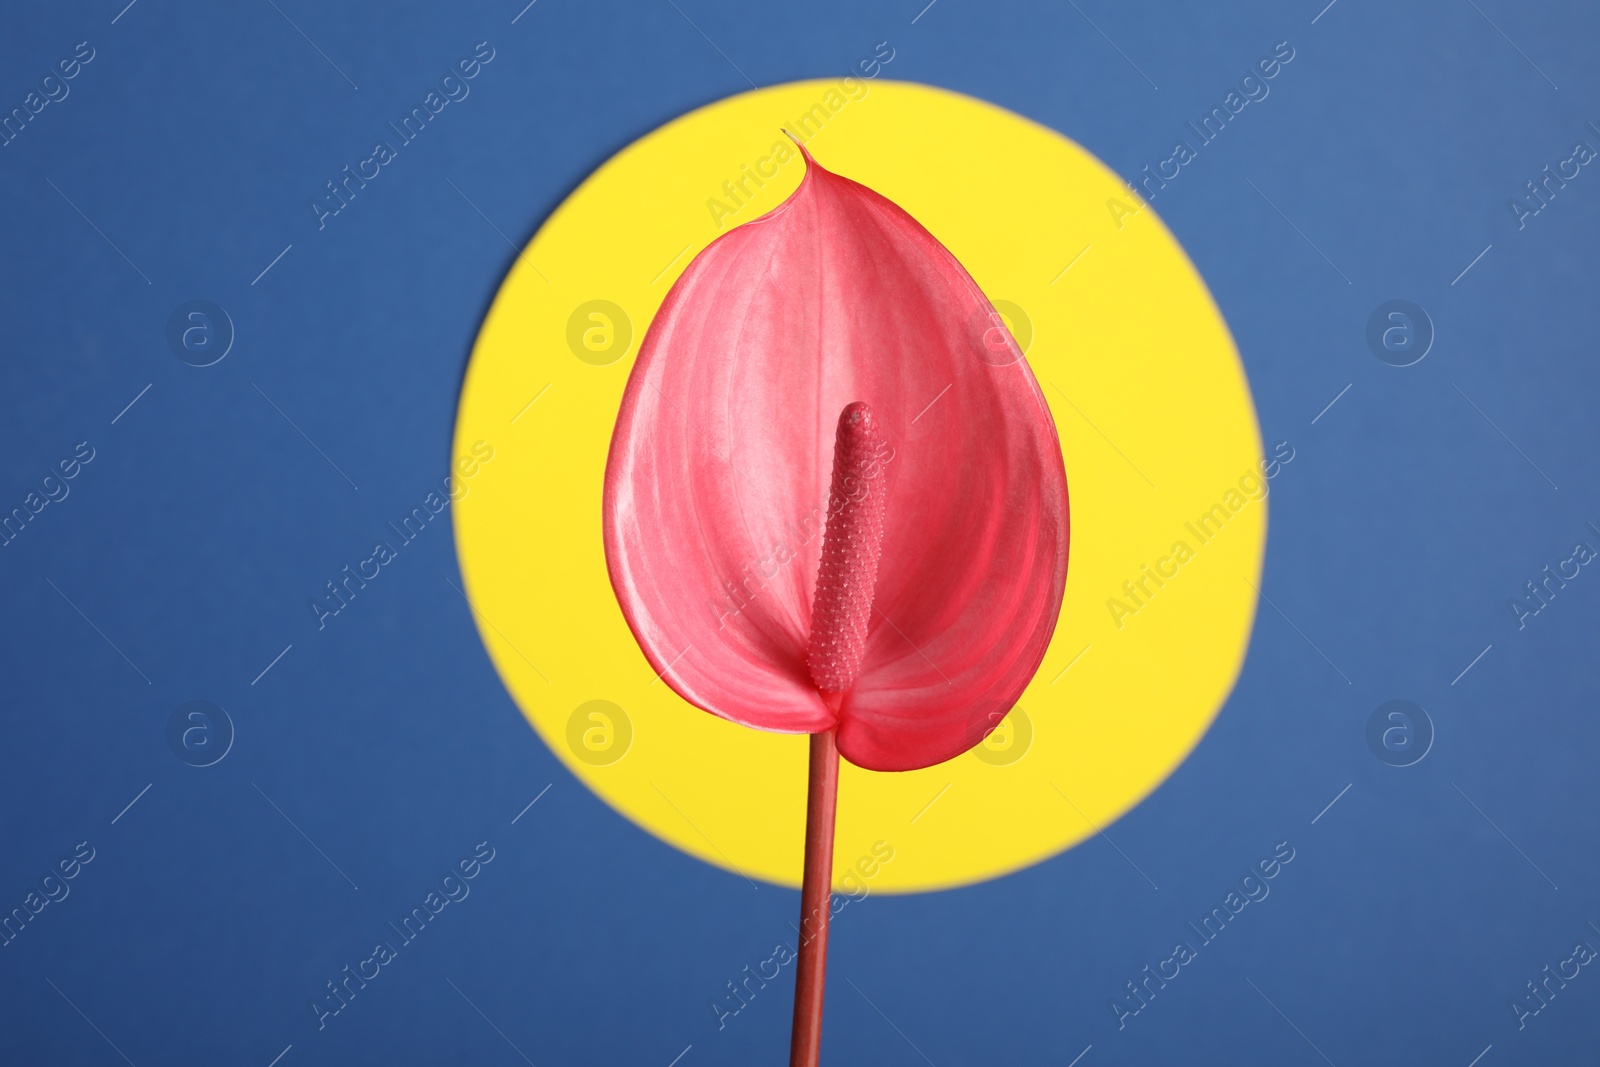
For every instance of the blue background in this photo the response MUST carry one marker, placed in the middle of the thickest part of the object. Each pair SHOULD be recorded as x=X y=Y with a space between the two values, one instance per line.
x=207 y=921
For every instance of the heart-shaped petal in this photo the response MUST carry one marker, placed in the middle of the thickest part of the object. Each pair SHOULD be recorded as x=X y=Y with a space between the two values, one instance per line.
x=717 y=485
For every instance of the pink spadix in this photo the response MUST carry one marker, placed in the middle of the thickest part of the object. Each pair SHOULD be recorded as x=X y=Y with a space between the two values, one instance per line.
x=775 y=567
x=851 y=545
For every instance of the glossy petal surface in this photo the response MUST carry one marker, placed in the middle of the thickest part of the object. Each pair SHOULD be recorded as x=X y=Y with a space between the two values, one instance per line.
x=717 y=482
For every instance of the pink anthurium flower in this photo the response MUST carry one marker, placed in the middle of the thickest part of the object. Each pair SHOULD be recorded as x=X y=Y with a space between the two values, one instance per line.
x=835 y=504
x=717 y=492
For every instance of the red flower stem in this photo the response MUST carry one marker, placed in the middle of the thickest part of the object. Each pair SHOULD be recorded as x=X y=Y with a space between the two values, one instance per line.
x=816 y=899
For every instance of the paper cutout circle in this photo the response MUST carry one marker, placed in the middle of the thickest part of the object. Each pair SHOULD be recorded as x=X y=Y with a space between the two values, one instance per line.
x=1158 y=431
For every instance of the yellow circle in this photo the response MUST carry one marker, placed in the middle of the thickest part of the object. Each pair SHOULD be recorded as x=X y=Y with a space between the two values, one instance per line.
x=1157 y=429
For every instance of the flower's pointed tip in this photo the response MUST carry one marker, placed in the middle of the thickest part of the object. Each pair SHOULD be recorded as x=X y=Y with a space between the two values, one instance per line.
x=800 y=145
x=833 y=700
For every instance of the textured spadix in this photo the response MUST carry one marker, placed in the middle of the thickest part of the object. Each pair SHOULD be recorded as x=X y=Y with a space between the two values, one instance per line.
x=717 y=485
x=852 y=544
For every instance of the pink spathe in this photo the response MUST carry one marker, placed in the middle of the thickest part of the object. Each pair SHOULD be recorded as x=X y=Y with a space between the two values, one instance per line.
x=717 y=487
